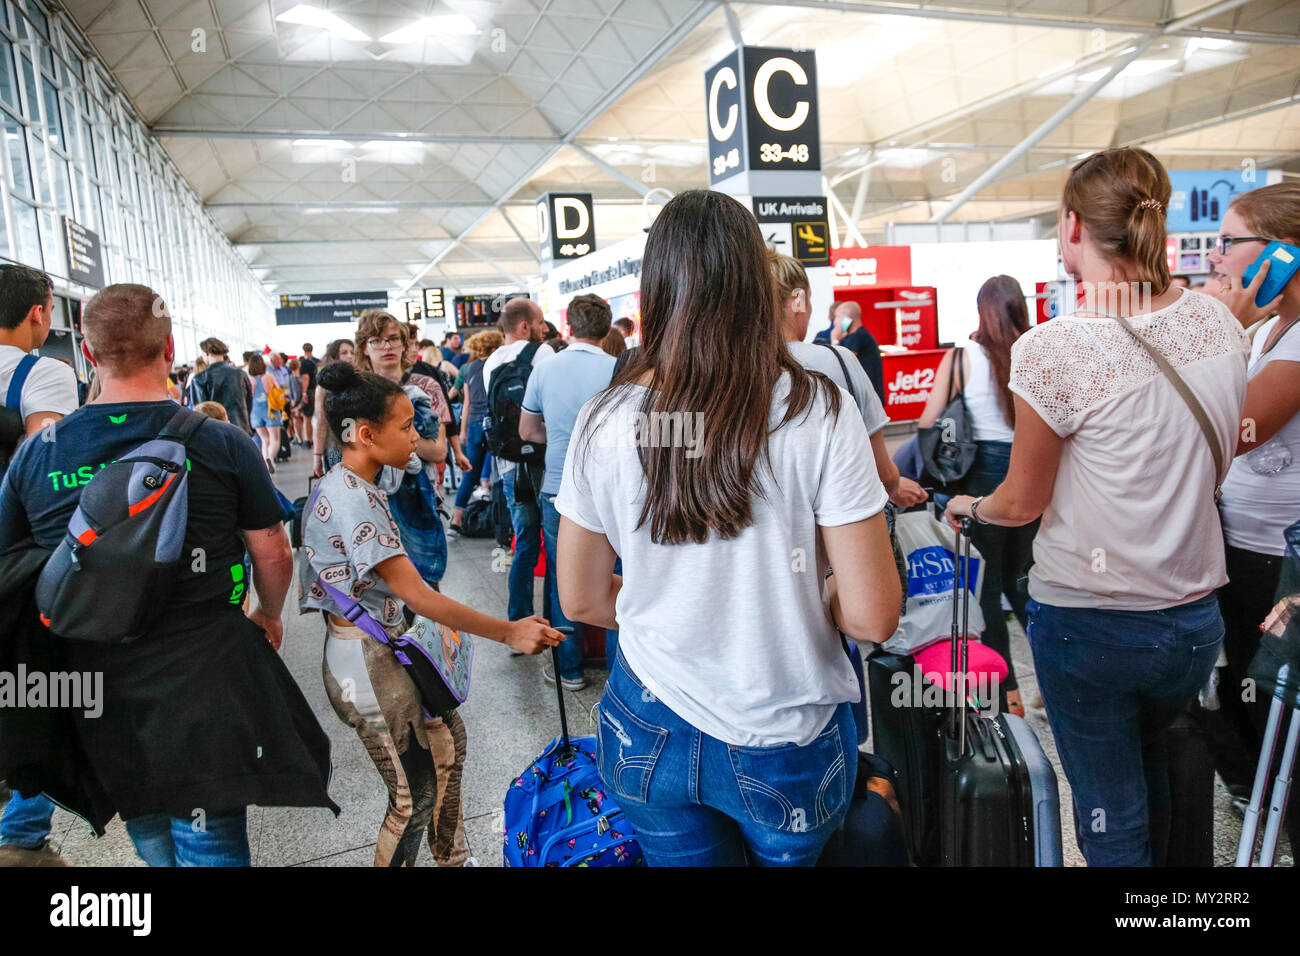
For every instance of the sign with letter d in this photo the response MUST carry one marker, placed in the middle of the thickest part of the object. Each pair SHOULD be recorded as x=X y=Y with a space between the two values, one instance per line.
x=566 y=226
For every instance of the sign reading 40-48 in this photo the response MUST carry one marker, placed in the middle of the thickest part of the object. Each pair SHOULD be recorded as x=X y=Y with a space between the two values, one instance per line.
x=764 y=137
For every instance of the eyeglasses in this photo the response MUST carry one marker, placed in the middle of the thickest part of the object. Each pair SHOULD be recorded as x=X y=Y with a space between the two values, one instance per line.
x=1226 y=241
x=392 y=342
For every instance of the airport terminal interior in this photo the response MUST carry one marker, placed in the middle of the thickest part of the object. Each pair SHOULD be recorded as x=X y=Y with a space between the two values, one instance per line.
x=394 y=174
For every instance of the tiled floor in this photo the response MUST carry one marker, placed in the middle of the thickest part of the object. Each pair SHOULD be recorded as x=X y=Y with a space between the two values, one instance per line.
x=510 y=716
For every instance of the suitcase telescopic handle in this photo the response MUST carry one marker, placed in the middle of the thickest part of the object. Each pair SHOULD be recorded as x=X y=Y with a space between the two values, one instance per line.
x=960 y=632
x=566 y=751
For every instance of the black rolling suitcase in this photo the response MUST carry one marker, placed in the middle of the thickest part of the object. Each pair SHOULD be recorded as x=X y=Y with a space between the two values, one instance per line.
x=998 y=800
x=976 y=790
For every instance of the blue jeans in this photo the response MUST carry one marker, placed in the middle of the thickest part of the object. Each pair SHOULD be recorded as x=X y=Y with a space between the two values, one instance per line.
x=26 y=821
x=1112 y=683
x=172 y=841
x=526 y=520
x=570 y=652
x=475 y=450
x=1007 y=554
x=696 y=801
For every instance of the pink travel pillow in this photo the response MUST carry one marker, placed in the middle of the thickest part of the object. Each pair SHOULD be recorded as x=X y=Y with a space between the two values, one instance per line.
x=935 y=662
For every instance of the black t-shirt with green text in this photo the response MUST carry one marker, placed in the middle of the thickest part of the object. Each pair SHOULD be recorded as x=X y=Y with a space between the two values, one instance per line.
x=229 y=491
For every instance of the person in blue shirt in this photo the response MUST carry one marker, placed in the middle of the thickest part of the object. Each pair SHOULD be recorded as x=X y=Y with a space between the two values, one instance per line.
x=556 y=392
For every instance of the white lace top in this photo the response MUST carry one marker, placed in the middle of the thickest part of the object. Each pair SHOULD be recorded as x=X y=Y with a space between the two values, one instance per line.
x=1132 y=522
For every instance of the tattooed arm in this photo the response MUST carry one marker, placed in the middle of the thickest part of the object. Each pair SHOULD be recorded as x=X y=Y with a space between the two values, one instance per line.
x=272 y=571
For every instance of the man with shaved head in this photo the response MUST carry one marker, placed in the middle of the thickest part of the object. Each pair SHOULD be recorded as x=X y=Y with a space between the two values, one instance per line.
x=198 y=711
x=847 y=320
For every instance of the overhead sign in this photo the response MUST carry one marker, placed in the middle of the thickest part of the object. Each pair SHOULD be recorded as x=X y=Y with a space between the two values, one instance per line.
x=796 y=226
x=435 y=307
x=566 y=226
x=764 y=136
x=314 y=307
x=413 y=312
x=85 y=255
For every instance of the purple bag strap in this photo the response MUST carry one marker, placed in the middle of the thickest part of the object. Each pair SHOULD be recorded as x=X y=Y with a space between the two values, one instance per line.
x=349 y=609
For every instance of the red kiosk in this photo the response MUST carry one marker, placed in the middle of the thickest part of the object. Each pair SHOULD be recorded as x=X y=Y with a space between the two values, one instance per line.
x=896 y=313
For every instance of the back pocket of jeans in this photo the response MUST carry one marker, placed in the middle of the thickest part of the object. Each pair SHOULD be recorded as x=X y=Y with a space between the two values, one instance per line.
x=793 y=788
x=627 y=748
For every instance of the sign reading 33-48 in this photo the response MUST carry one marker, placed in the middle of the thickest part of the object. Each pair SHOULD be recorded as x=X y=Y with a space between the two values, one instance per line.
x=764 y=137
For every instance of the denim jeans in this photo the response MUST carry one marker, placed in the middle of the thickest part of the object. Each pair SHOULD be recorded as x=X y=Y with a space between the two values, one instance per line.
x=526 y=519
x=1112 y=683
x=475 y=450
x=173 y=841
x=570 y=652
x=26 y=821
x=1007 y=554
x=696 y=801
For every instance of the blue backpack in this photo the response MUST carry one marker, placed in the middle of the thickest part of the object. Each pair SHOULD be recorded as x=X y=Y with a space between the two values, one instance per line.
x=111 y=576
x=558 y=812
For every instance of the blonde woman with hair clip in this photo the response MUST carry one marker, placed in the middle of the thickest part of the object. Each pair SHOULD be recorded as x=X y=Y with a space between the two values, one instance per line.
x=1125 y=417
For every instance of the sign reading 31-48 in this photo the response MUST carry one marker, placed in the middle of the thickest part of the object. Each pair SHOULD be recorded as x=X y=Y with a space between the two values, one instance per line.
x=764 y=137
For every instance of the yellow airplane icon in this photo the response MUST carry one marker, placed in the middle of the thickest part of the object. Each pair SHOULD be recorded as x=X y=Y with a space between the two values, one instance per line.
x=810 y=234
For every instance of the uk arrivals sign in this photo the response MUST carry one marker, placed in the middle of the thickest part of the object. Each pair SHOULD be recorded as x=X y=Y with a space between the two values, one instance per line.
x=764 y=137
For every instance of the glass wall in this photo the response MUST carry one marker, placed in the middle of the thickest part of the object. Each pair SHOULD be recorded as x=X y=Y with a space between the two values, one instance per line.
x=73 y=148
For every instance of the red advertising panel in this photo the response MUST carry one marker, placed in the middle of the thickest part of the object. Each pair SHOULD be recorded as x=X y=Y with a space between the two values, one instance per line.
x=866 y=267
x=908 y=379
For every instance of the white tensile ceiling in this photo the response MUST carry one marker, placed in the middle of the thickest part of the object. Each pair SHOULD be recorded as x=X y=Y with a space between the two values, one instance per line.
x=341 y=164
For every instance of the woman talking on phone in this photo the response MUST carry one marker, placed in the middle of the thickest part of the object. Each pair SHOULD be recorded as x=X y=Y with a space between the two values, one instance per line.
x=1261 y=495
x=1123 y=467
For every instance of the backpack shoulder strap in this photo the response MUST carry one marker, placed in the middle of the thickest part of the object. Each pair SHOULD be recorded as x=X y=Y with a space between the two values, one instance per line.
x=526 y=356
x=182 y=426
x=14 y=398
x=848 y=380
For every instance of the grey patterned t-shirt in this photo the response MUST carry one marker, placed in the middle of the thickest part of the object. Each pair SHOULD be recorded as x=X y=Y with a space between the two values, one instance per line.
x=348 y=531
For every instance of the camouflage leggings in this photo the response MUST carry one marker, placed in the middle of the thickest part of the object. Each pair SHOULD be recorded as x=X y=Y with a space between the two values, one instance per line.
x=420 y=760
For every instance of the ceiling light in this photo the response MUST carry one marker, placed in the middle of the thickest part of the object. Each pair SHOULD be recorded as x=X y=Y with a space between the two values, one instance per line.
x=320 y=144
x=310 y=16
x=447 y=24
x=1207 y=43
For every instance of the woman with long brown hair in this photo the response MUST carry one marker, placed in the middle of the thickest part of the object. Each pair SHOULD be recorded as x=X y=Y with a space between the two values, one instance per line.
x=725 y=475
x=1123 y=466
x=986 y=376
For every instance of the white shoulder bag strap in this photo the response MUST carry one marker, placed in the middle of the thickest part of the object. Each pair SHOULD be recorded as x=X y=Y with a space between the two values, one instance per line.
x=1189 y=397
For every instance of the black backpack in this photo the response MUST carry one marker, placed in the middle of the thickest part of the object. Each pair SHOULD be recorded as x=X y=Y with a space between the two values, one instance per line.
x=477 y=521
x=505 y=403
x=12 y=426
x=110 y=577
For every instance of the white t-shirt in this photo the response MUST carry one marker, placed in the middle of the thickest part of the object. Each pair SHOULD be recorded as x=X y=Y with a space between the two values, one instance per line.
x=508 y=353
x=51 y=386
x=821 y=359
x=1132 y=523
x=1261 y=496
x=988 y=419
x=733 y=635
